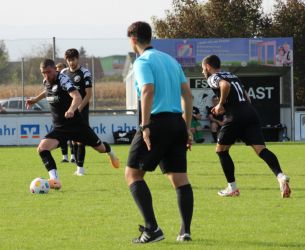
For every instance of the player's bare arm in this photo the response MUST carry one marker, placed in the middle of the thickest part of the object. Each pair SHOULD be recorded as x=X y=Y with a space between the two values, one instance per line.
x=187 y=106
x=224 y=87
x=86 y=99
x=247 y=96
x=76 y=100
x=147 y=96
x=29 y=102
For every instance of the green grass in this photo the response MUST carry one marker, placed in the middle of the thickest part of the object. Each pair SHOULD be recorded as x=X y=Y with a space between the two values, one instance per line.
x=98 y=212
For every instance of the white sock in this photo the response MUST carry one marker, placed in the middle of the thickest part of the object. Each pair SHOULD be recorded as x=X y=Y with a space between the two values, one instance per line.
x=53 y=174
x=232 y=185
x=111 y=154
x=280 y=175
x=65 y=157
x=80 y=170
x=72 y=157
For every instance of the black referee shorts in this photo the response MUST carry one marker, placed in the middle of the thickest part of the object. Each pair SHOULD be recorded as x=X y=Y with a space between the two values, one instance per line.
x=80 y=133
x=168 y=136
x=244 y=124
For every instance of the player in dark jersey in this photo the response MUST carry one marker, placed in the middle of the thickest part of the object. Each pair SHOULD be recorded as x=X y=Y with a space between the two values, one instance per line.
x=64 y=147
x=242 y=122
x=82 y=80
x=68 y=123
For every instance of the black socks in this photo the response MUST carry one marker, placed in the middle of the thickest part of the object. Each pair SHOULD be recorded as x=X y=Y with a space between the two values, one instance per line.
x=107 y=147
x=47 y=160
x=81 y=152
x=272 y=161
x=185 y=203
x=142 y=196
x=227 y=165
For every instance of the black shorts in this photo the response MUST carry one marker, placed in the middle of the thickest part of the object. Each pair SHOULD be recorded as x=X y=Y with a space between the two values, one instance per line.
x=80 y=133
x=168 y=136
x=242 y=123
x=85 y=114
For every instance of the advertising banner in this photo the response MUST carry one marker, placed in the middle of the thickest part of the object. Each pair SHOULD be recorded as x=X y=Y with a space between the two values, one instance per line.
x=232 y=51
x=264 y=93
x=30 y=129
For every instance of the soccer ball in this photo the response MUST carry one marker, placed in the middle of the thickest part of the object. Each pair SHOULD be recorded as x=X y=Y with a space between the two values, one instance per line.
x=39 y=186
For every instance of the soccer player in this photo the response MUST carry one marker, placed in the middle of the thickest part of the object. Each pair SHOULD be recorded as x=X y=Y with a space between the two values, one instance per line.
x=81 y=78
x=242 y=121
x=64 y=146
x=68 y=124
x=164 y=134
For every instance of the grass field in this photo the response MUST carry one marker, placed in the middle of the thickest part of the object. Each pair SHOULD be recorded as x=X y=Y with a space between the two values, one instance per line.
x=97 y=211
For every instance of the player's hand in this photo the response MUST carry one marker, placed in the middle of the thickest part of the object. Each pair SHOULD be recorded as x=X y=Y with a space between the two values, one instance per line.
x=146 y=134
x=189 y=140
x=69 y=114
x=29 y=102
x=218 y=110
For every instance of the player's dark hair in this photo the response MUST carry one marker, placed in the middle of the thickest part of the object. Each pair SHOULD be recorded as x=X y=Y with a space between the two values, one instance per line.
x=213 y=61
x=140 y=30
x=71 y=53
x=46 y=63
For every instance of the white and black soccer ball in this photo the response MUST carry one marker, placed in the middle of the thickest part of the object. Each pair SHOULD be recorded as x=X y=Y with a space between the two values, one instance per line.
x=39 y=186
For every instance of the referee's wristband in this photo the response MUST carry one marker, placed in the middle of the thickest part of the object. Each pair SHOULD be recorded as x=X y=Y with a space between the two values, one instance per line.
x=143 y=127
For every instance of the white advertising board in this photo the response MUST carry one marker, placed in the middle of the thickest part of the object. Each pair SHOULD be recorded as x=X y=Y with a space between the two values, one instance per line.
x=30 y=129
x=300 y=126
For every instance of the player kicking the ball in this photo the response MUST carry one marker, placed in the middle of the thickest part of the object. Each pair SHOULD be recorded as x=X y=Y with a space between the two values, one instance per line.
x=68 y=124
x=242 y=121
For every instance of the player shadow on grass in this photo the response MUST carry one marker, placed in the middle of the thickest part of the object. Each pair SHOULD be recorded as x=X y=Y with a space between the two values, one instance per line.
x=205 y=243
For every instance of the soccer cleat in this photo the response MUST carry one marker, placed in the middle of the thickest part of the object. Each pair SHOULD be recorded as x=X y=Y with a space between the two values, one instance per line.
x=148 y=236
x=73 y=161
x=64 y=160
x=184 y=237
x=77 y=173
x=54 y=184
x=284 y=186
x=115 y=162
x=228 y=192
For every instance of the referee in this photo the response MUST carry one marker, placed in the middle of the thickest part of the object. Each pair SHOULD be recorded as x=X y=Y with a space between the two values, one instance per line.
x=164 y=134
x=242 y=121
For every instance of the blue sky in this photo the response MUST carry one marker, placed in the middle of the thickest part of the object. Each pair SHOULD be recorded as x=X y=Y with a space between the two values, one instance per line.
x=98 y=25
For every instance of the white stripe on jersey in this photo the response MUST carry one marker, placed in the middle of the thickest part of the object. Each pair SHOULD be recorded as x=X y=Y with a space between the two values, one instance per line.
x=213 y=81
x=85 y=71
x=239 y=91
x=65 y=82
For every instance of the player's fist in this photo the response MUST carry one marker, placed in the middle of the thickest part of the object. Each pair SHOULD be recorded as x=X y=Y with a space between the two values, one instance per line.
x=29 y=102
x=69 y=114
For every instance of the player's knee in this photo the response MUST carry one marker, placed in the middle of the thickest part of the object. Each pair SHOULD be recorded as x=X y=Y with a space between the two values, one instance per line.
x=132 y=175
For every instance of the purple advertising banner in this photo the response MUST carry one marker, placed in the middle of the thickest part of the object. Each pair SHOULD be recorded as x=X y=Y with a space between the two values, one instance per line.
x=232 y=51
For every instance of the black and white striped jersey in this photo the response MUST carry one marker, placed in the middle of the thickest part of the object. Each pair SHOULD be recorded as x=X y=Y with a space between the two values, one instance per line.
x=236 y=95
x=57 y=94
x=81 y=78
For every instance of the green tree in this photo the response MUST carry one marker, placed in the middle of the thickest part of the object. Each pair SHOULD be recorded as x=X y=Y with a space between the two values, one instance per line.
x=82 y=52
x=3 y=62
x=213 y=18
x=32 y=62
x=289 y=20
x=187 y=19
